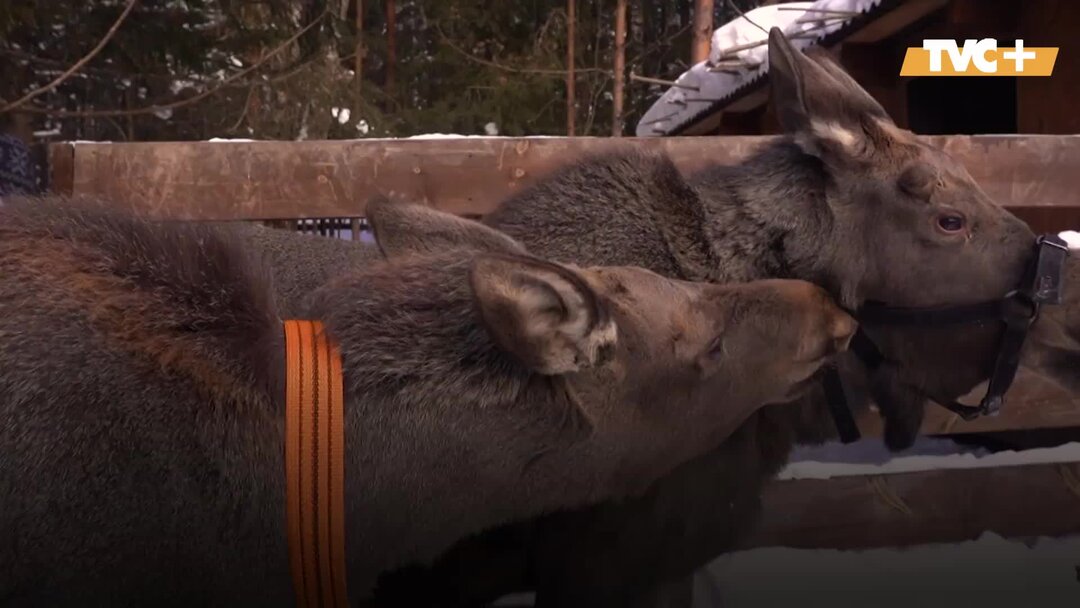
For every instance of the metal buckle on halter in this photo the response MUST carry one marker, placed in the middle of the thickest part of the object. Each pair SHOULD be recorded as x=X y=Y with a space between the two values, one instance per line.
x=1046 y=286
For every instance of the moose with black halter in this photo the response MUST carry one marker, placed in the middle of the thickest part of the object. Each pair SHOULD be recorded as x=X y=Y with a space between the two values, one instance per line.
x=1043 y=283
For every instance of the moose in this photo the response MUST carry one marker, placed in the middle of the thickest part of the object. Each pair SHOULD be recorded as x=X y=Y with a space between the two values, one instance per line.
x=845 y=199
x=142 y=385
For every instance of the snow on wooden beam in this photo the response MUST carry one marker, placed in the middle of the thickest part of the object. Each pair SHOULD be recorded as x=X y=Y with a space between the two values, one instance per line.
x=920 y=507
x=1034 y=175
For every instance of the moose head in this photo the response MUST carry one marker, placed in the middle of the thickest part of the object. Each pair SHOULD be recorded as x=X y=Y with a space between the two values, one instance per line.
x=904 y=224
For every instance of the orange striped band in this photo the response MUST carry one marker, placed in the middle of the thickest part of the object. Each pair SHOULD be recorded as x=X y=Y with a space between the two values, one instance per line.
x=314 y=465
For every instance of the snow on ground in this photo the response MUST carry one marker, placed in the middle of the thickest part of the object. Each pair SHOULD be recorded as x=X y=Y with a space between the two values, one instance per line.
x=818 y=469
x=988 y=572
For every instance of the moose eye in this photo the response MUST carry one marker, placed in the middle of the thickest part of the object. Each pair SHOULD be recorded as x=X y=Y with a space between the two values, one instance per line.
x=950 y=223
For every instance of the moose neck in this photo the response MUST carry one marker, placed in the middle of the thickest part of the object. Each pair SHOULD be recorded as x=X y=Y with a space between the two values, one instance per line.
x=768 y=217
x=445 y=436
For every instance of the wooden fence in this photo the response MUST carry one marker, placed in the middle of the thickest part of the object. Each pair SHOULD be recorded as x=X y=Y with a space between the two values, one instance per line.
x=1037 y=177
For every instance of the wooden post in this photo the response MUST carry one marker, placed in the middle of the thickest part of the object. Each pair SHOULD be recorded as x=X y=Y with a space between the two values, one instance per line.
x=620 y=68
x=703 y=26
x=570 y=103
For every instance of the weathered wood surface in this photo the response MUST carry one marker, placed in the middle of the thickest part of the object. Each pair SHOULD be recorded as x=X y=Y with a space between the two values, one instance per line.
x=906 y=509
x=278 y=180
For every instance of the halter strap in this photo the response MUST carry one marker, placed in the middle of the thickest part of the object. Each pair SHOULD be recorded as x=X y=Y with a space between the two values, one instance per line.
x=314 y=466
x=1042 y=284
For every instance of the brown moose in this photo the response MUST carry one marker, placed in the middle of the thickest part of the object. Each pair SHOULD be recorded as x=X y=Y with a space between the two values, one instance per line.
x=845 y=199
x=141 y=396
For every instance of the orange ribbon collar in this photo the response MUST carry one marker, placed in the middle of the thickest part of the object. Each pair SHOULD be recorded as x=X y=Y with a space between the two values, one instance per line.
x=314 y=465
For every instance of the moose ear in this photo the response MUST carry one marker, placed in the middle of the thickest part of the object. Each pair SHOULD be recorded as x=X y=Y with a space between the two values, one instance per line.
x=829 y=114
x=408 y=228
x=544 y=314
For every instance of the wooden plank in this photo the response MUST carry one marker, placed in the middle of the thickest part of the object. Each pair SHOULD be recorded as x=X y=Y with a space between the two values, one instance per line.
x=906 y=509
x=269 y=180
x=61 y=168
x=278 y=180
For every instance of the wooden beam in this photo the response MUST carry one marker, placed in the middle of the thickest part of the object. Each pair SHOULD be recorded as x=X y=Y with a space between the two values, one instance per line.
x=61 y=169
x=310 y=179
x=906 y=509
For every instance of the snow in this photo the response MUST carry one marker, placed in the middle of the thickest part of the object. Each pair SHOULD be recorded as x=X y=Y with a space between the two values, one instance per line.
x=419 y=137
x=742 y=32
x=726 y=71
x=1071 y=238
x=48 y=133
x=989 y=571
x=341 y=114
x=446 y=136
x=180 y=85
x=812 y=469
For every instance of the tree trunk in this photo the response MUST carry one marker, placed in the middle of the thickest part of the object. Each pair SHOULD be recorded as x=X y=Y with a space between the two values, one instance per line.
x=570 y=102
x=391 y=47
x=703 y=26
x=359 y=76
x=620 y=68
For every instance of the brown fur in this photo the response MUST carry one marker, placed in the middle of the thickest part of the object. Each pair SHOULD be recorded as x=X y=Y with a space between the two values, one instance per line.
x=301 y=263
x=141 y=417
x=846 y=200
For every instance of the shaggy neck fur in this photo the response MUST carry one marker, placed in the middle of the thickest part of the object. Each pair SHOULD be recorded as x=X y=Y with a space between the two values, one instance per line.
x=767 y=217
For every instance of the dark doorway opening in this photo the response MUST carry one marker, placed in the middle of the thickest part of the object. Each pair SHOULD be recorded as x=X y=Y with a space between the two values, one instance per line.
x=963 y=105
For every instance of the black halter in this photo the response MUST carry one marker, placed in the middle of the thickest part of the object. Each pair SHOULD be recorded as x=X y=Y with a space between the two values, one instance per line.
x=1017 y=310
